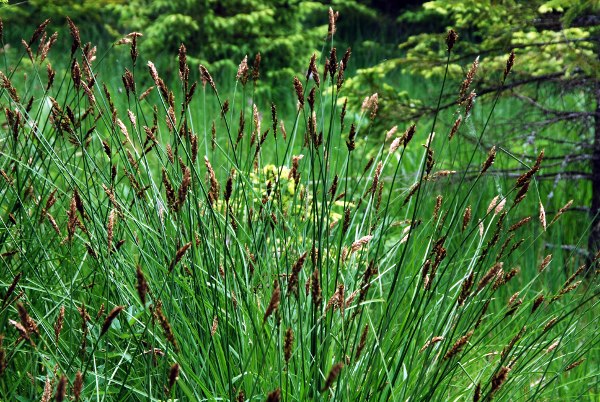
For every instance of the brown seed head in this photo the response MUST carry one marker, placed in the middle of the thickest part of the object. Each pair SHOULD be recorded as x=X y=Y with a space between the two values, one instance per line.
x=524 y=179
x=455 y=127
x=326 y=69
x=77 y=385
x=299 y=92
x=451 y=38
x=562 y=211
x=134 y=49
x=256 y=68
x=11 y=288
x=242 y=72
x=164 y=324
x=465 y=289
x=128 y=82
x=44 y=46
x=214 y=326
x=112 y=217
x=466 y=218
x=274 y=302
x=229 y=187
x=288 y=343
x=489 y=275
x=173 y=376
x=376 y=177
x=179 y=255
x=409 y=134
x=61 y=389
x=549 y=324
x=438 y=205
x=28 y=323
x=537 y=302
x=206 y=77
x=358 y=244
x=469 y=102
x=499 y=378
x=311 y=99
x=545 y=262
x=184 y=70
x=411 y=192
x=512 y=343
x=51 y=74
x=332 y=376
x=183 y=189
x=519 y=224
x=572 y=277
x=75 y=35
x=566 y=289
x=316 y=288
x=39 y=31
x=458 y=345
x=274 y=119
x=466 y=84
x=362 y=342
x=213 y=193
x=333 y=16
x=513 y=304
x=345 y=59
x=58 y=325
x=552 y=347
x=47 y=394
x=332 y=63
x=430 y=342
x=110 y=318
x=350 y=143
x=477 y=393
x=340 y=78
x=573 y=365
x=296 y=268
x=489 y=160
x=509 y=63
x=274 y=396
x=142 y=285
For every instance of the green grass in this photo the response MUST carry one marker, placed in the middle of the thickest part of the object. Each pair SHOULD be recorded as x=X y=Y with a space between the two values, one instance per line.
x=219 y=270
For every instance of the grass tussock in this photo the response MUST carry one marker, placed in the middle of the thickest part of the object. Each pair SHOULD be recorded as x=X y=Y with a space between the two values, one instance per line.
x=334 y=262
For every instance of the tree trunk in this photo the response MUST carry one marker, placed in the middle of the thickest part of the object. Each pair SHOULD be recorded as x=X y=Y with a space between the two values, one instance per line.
x=594 y=236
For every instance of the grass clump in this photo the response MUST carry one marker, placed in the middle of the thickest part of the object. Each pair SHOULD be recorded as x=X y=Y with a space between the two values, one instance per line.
x=153 y=250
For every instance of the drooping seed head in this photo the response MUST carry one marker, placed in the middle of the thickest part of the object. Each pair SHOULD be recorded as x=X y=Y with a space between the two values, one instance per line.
x=489 y=160
x=334 y=372
x=273 y=303
x=509 y=63
x=110 y=318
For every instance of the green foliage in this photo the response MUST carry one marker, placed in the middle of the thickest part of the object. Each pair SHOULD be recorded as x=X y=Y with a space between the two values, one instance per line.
x=165 y=247
x=542 y=45
x=91 y=15
x=221 y=33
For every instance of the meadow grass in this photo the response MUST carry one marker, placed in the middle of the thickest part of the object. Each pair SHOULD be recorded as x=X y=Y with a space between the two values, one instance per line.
x=174 y=242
